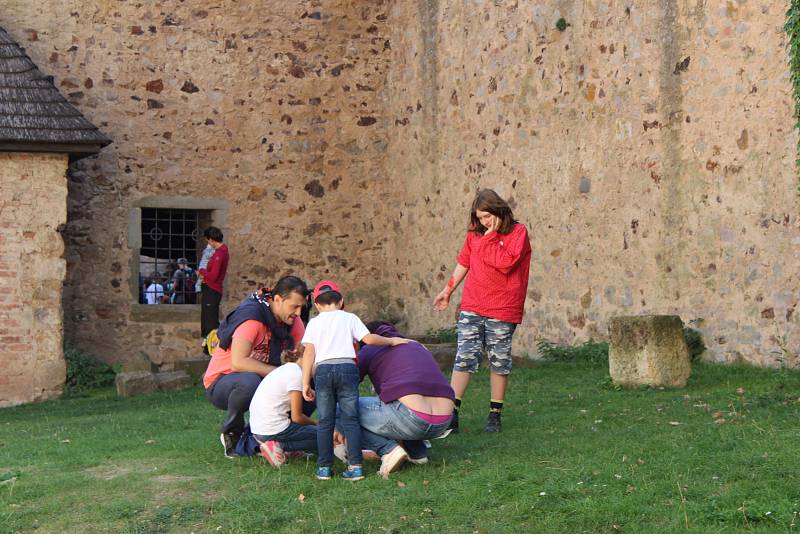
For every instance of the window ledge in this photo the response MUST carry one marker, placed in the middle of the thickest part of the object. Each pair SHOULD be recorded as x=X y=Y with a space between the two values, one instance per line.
x=165 y=313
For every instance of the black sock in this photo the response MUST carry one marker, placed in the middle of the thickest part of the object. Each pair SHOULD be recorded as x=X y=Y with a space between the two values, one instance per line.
x=457 y=402
x=496 y=406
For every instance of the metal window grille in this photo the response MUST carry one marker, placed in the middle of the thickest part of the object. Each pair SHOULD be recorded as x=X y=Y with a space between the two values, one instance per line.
x=168 y=235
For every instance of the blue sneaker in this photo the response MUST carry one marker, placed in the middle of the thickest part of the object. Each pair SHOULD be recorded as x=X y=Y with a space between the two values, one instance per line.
x=353 y=473
x=324 y=473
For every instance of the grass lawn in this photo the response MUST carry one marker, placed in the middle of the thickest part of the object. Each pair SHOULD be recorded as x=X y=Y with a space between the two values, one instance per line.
x=575 y=456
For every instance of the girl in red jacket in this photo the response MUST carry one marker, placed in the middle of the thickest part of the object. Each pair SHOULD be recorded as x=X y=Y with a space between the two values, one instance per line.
x=497 y=256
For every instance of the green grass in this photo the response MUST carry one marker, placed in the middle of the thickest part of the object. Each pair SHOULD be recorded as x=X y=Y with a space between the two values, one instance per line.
x=575 y=456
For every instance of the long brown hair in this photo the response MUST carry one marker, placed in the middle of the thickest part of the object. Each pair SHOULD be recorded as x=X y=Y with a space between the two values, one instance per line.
x=489 y=201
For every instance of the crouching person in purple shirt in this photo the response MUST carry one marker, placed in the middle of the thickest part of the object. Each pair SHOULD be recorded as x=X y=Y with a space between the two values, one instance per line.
x=414 y=402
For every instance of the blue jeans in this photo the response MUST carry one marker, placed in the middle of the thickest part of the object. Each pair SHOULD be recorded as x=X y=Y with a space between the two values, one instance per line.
x=294 y=438
x=337 y=383
x=393 y=421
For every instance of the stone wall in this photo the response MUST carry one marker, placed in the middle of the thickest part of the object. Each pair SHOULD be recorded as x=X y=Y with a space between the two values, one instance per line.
x=270 y=107
x=649 y=148
x=33 y=210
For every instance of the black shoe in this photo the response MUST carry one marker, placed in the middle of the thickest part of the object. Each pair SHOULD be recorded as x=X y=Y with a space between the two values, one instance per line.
x=493 y=423
x=453 y=428
x=229 y=441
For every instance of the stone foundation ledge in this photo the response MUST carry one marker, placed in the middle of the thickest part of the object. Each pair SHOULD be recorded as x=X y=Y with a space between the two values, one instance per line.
x=132 y=383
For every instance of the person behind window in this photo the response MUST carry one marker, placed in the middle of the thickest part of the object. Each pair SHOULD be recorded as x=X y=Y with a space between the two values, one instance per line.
x=155 y=291
x=183 y=283
x=212 y=277
x=204 y=258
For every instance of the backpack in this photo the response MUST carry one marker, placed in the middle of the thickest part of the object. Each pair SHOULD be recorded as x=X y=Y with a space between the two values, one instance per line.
x=190 y=281
x=185 y=285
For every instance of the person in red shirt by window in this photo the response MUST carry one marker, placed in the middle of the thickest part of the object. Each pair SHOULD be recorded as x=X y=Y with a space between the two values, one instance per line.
x=212 y=277
x=497 y=256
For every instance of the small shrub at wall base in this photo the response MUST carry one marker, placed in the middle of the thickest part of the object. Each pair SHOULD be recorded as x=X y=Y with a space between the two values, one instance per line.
x=590 y=351
x=597 y=353
x=694 y=340
x=85 y=372
x=442 y=335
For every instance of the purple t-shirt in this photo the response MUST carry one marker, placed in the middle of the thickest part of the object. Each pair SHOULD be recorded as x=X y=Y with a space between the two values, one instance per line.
x=403 y=370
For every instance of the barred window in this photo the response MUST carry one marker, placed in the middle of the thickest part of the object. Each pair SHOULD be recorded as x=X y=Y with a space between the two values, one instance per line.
x=170 y=253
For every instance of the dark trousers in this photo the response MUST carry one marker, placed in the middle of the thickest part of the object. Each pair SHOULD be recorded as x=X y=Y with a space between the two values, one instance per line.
x=233 y=393
x=209 y=314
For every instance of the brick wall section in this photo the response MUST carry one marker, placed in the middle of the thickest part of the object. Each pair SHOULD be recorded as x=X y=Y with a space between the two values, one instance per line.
x=673 y=117
x=33 y=210
x=271 y=106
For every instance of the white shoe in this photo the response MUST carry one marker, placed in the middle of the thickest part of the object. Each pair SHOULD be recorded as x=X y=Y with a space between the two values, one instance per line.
x=340 y=451
x=444 y=434
x=392 y=460
x=418 y=461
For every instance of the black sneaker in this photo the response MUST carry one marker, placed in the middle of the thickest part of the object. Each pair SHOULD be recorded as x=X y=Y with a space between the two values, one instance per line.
x=453 y=428
x=229 y=441
x=493 y=423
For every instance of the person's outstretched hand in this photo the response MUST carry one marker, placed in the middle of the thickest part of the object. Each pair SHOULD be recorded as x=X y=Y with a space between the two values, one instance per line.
x=442 y=300
x=399 y=341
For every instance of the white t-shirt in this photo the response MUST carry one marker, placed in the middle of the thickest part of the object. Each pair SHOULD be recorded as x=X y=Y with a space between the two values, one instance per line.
x=332 y=333
x=270 y=409
x=153 y=293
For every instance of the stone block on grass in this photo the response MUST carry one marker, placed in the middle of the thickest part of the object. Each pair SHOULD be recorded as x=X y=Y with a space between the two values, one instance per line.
x=648 y=350
x=195 y=367
x=139 y=361
x=173 y=380
x=135 y=383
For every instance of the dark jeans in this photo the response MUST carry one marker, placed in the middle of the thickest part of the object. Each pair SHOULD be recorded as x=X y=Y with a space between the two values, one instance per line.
x=209 y=314
x=337 y=383
x=233 y=393
x=294 y=438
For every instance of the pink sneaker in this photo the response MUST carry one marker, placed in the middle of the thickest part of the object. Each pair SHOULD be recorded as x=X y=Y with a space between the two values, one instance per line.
x=272 y=451
x=370 y=455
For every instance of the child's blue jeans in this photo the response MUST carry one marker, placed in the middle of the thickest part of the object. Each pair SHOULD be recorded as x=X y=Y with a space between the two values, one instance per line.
x=294 y=438
x=337 y=383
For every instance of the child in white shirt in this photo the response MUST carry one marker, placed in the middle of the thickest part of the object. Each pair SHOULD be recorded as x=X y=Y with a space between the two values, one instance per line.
x=328 y=342
x=276 y=413
x=154 y=292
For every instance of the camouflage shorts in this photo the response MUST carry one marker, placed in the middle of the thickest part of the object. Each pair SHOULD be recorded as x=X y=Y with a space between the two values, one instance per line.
x=477 y=334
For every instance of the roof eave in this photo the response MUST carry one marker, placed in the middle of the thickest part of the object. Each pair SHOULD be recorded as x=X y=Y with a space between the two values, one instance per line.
x=77 y=150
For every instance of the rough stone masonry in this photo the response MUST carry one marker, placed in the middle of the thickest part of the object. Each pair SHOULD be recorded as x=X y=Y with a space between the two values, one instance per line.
x=649 y=147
